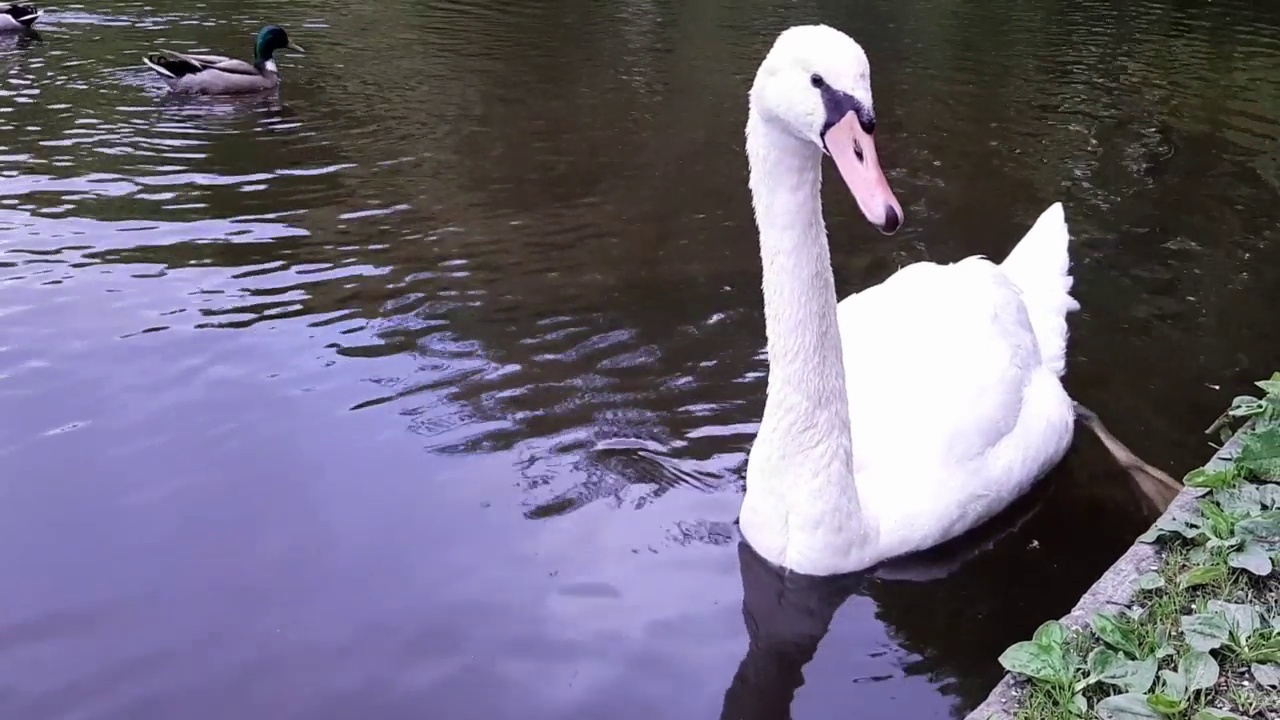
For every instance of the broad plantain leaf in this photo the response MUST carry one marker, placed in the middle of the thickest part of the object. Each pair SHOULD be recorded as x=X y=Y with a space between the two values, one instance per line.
x=1200 y=556
x=1211 y=479
x=1245 y=406
x=1166 y=705
x=1150 y=581
x=1037 y=660
x=1270 y=386
x=1202 y=575
x=1114 y=634
x=1198 y=669
x=1132 y=676
x=1173 y=685
x=1266 y=675
x=1241 y=619
x=1252 y=557
x=1240 y=500
x=1264 y=527
x=1051 y=632
x=1130 y=706
x=1218 y=522
x=1101 y=661
x=1218 y=544
x=1270 y=495
x=1266 y=652
x=1205 y=631
x=1260 y=453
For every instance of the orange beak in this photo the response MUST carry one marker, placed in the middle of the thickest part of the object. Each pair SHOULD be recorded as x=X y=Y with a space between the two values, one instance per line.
x=854 y=152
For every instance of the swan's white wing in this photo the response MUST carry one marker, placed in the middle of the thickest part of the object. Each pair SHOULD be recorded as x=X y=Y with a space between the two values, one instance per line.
x=937 y=358
x=952 y=412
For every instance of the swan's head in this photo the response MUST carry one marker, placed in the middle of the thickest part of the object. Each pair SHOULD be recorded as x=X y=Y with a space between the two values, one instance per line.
x=816 y=84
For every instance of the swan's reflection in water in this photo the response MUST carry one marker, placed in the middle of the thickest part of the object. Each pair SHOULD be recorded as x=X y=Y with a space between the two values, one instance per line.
x=788 y=614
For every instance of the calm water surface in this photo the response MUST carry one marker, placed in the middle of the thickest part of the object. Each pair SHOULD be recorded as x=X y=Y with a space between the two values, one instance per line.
x=424 y=389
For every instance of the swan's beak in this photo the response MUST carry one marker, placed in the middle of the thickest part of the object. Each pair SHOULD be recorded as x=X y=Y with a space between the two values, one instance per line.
x=854 y=152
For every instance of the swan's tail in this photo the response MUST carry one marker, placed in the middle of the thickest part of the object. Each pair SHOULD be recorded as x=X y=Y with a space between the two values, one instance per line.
x=1040 y=266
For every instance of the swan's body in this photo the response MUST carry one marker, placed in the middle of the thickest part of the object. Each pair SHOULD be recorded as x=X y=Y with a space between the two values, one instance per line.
x=918 y=408
x=16 y=18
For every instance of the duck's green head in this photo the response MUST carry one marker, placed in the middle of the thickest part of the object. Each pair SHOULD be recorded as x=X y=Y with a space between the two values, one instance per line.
x=270 y=39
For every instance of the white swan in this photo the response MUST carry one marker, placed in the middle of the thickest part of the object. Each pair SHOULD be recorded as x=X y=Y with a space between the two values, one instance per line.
x=915 y=409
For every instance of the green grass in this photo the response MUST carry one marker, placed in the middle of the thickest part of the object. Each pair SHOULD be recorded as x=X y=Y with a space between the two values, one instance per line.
x=1201 y=640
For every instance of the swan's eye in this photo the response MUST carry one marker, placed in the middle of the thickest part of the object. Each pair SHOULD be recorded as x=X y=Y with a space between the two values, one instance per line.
x=857 y=149
x=816 y=80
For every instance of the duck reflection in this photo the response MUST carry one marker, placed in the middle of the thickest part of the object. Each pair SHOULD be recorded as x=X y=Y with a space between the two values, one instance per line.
x=19 y=39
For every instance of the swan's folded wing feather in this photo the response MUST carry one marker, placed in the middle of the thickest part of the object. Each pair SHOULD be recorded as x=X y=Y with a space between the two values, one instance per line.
x=937 y=359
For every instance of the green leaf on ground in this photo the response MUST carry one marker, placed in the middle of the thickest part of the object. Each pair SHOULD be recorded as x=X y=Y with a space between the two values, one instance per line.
x=1211 y=479
x=1270 y=495
x=1264 y=527
x=1173 y=685
x=1199 y=556
x=1051 y=632
x=1114 y=633
x=1149 y=581
x=1101 y=661
x=1241 y=500
x=1205 y=631
x=1037 y=660
x=1188 y=526
x=1266 y=675
x=1252 y=557
x=1241 y=619
x=1260 y=453
x=1132 y=676
x=1245 y=406
x=1202 y=575
x=1270 y=386
x=1166 y=705
x=1129 y=706
x=1198 y=669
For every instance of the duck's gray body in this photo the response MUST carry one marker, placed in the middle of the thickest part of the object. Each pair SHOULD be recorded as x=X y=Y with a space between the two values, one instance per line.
x=213 y=74
x=222 y=75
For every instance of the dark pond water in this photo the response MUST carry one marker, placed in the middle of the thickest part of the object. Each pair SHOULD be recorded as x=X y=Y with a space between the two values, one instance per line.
x=424 y=389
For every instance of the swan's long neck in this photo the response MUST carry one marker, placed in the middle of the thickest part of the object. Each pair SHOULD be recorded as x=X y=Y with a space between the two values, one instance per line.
x=801 y=497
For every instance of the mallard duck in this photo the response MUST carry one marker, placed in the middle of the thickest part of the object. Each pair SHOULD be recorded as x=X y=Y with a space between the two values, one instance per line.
x=17 y=17
x=221 y=75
